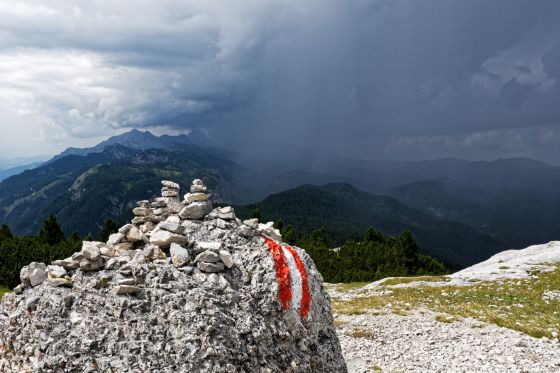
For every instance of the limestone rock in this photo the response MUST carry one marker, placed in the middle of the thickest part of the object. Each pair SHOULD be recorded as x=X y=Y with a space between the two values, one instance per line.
x=37 y=276
x=165 y=239
x=196 y=210
x=226 y=258
x=196 y=197
x=134 y=235
x=210 y=267
x=56 y=271
x=179 y=255
x=170 y=184
x=207 y=256
x=90 y=250
x=127 y=307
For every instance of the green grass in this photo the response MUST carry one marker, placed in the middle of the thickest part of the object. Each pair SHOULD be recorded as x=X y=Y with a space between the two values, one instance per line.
x=514 y=304
x=3 y=290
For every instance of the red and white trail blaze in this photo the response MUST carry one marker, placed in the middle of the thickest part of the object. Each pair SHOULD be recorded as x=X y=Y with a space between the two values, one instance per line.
x=293 y=291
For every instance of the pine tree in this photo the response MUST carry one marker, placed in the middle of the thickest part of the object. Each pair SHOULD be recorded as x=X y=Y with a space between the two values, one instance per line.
x=5 y=233
x=51 y=233
x=108 y=228
x=257 y=215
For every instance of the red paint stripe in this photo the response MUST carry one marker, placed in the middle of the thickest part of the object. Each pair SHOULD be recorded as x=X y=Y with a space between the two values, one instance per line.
x=282 y=274
x=305 y=295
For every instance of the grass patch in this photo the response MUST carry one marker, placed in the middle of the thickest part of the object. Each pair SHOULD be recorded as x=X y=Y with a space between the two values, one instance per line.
x=447 y=319
x=361 y=333
x=3 y=290
x=408 y=280
x=515 y=304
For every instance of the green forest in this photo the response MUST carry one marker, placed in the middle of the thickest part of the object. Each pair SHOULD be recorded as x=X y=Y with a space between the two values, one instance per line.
x=374 y=257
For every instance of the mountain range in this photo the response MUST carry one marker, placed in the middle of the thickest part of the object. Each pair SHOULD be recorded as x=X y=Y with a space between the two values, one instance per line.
x=461 y=211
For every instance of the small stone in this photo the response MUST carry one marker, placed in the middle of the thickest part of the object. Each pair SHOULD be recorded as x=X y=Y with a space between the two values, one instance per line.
x=164 y=238
x=115 y=238
x=186 y=269
x=92 y=265
x=143 y=203
x=198 y=186
x=134 y=235
x=125 y=228
x=171 y=227
x=146 y=227
x=226 y=257
x=253 y=223
x=60 y=281
x=127 y=281
x=210 y=267
x=125 y=289
x=196 y=197
x=207 y=256
x=196 y=210
x=170 y=184
x=212 y=246
x=56 y=271
x=169 y=193
x=107 y=251
x=37 y=276
x=141 y=211
x=90 y=250
x=179 y=255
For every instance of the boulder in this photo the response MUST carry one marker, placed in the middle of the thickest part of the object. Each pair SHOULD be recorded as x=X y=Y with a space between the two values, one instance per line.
x=244 y=306
x=196 y=197
x=134 y=235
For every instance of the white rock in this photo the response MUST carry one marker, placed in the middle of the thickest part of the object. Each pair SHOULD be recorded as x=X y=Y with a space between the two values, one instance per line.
x=226 y=257
x=174 y=219
x=179 y=255
x=209 y=245
x=59 y=281
x=210 y=267
x=37 y=276
x=196 y=210
x=196 y=197
x=107 y=251
x=170 y=193
x=170 y=184
x=125 y=228
x=171 y=227
x=164 y=238
x=134 y=235
x=126 y=289
x=115 y=238
x=141 y=211
x=90 y=250
x=253 y=223
x=56 y=271
x=207 y=256
x=92 y=265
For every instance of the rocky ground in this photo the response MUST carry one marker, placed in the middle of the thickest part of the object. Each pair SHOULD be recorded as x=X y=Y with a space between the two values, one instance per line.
x=390 y=342
x=413 y=338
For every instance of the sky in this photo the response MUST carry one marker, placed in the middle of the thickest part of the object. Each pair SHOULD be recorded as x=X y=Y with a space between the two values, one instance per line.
x=372 y=79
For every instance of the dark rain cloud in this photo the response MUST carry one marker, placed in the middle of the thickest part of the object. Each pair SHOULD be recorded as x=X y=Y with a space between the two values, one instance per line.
x=367 y=78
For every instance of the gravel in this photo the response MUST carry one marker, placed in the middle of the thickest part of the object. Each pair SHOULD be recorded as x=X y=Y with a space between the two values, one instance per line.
x=419 y=343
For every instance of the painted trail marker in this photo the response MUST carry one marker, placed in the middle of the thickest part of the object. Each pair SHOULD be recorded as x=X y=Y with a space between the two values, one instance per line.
x=293 y=291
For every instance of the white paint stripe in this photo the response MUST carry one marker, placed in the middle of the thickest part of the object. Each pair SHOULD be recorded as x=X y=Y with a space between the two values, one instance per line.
x=296 y=279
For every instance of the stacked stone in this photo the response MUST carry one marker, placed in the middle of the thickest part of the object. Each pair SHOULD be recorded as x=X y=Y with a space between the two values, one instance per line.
x=197 y=201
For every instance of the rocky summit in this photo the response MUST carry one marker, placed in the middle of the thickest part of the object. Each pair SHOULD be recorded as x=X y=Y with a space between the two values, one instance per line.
x=183 y=288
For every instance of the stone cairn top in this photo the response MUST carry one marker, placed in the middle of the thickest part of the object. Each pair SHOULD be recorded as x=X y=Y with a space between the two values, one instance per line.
x=183 y=287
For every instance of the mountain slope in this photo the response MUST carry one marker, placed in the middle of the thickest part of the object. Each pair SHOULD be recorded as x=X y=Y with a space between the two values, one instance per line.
x=84 y=191
x=4 y=174
x=344 y=211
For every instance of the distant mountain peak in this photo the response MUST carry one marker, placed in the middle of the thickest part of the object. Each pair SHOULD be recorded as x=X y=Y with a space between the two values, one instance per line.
x=136 y=139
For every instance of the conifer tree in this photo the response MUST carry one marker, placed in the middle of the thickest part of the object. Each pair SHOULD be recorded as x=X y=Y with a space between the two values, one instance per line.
x=257 y=215
x=5 y=233
x=108 y=228
x=51 y=233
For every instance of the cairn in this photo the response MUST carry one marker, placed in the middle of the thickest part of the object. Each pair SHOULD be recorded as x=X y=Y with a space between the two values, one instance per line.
x=204 y=288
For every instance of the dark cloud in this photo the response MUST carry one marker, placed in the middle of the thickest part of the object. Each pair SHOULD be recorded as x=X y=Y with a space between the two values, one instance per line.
x=374 y=78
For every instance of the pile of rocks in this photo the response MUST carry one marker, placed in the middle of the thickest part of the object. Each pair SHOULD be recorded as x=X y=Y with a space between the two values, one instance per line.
x=183 y=287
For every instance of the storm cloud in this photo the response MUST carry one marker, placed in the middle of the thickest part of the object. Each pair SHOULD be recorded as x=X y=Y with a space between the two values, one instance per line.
x=400 y=79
